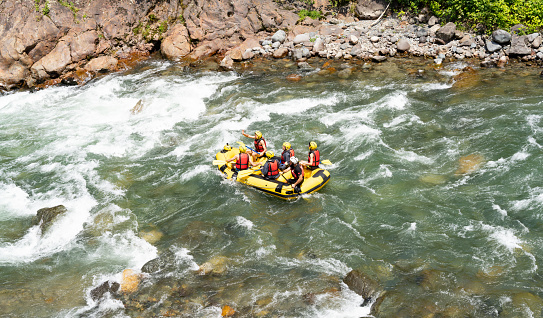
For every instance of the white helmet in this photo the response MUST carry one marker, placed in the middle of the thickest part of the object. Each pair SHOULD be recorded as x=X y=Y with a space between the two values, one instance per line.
x=293 y=160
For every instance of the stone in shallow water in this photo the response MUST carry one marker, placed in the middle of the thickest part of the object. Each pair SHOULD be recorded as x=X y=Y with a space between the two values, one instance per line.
x=130 y=281
x=46 y=216
x=433 y=179
x=152 y=236
x=469 y=164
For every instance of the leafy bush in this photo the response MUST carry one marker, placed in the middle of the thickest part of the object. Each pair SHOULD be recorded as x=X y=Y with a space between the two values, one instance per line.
x=486 y=15
x=315 y=15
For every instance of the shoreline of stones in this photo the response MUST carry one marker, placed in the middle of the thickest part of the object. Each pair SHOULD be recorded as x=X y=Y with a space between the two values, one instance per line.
x=377 y=40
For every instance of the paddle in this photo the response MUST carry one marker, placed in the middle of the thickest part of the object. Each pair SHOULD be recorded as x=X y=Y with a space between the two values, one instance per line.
x=218 y=162
x=245 y=173
x=326 y=162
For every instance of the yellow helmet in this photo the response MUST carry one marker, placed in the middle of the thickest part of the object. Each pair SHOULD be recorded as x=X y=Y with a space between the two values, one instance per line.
x=269 y=154
x=227 y=147
x=286 y=144
x=258 y=134
x=242 y=149
x=312 y=145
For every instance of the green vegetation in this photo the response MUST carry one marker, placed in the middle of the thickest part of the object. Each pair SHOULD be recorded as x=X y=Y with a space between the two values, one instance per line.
x=483 y=15
x=338 y=3
x=315 y=15
x=45 y=10
x=150 y=29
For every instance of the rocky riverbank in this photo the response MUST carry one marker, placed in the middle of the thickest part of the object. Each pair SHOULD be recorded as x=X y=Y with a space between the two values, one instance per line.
x=58 y=42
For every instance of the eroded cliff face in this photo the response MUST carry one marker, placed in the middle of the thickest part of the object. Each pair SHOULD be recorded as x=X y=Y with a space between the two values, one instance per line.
x=44 y=40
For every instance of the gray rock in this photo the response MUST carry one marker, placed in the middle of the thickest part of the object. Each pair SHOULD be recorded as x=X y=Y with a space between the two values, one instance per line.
x=280 y=53
x=374 y=39
x=318 y=45
x=279 y=36
x=438 y=61
x=266 y=42
x=537 y=42
x=403 y=45
x=519 y=45
x=46 y=216
x=467 y=40
x=300 y=38
x=446 y=32
x=434 y=29
x=345 y=46
x=531 y=37
x=501 y=36
x=518 y=28
x=306 y=52
x=421 y=32
x=492 y=46
x=433 y=21
x=248 y=54
x=356 y=50
x=297 y=54
x=369 y=10
x=105 y=287
x=304 y=66
x=539 y=55
x=379 y=58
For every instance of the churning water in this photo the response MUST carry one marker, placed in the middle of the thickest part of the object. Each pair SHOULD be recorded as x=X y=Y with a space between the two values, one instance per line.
x=435 y=193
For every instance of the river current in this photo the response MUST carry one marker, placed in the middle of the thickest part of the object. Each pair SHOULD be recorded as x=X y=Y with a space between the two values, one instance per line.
x=435 y=192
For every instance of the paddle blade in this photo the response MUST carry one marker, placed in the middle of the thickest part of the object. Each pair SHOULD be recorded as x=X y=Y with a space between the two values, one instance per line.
x=326 y=162
x=240 y=142
x=245 y=173
x=218 y=162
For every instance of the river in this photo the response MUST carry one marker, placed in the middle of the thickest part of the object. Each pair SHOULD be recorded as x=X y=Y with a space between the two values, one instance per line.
x=435 y=192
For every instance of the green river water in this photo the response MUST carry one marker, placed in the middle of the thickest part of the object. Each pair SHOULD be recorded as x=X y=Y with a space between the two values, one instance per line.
x=435 y=193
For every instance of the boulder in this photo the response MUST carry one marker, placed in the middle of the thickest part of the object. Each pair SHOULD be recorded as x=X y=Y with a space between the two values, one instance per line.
x=519 y=45
x=492 y=46
x=501 y=36
x=466 y=40
x=536 y=42
x=102 y=64
x=362 y=284
x=518 y=29
x=12 y=75
x=300 y=38
x=379 y=58
x=176 y=44
x=433 y=21
x=46 y=216
x=105 y=287
x=236 y=55
x=327 y=30
x=356 y=50
x=403 y=45
x=345 y=74
x=469 y=164
x=130 y=281
x=227 y=63
x=279 y=36
x=446 y=32
x=369 y=9
x=205 y=49
x=318 y=45
x=83 y=45
x=53 y=63
x=280 y=53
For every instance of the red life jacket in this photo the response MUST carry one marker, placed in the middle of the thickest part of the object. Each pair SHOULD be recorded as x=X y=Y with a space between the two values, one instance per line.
x=316 y=158
x=273 y=168
x=296 y=172
x=283 y=160
x=243 y=161
x=258 y=147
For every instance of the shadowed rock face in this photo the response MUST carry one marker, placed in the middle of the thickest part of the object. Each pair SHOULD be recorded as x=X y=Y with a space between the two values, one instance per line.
x=41 y=43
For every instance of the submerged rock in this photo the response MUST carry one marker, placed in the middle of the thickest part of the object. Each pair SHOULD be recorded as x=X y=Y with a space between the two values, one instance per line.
x=46 y=216
x=362 y=284
x=469 y=164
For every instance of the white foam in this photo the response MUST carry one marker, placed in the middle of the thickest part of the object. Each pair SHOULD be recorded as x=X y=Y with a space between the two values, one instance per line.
x=183 y=257
x=503 y=236
x=59 y=236
x=243 y=222
x=500 y=210
x=200 y=169
x=346 y=306
x=126 y=247
x=520 y=156
x=14 y=202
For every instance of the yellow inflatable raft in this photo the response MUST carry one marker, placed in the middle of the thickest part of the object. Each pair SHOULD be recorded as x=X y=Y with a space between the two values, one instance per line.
x=313 y=179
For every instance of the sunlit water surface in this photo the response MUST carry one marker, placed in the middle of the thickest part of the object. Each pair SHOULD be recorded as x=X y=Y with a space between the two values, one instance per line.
x=436 y=193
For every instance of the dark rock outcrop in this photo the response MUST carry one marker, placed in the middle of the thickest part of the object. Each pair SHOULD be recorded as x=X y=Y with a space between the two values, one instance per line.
x=105 y=287
x=46 y=216
x=362 y=284
x=446 y=32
